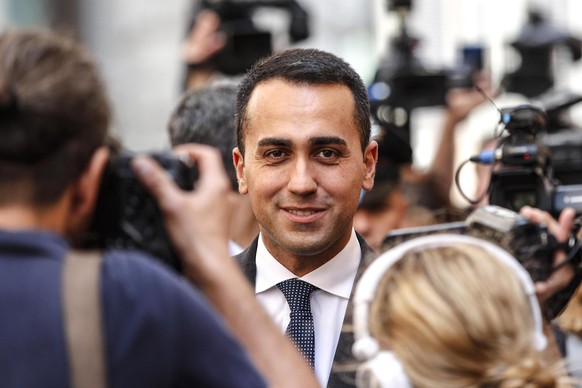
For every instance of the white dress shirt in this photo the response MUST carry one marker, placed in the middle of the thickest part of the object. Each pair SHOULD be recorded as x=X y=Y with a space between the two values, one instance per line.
x=233 y=248
x=334 y=279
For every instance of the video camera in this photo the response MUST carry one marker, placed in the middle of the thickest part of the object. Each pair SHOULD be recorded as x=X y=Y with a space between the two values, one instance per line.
x=536 y=165
x=401 y=79
x=535 y=45
x=402 y=83
x=245 y=42
x=127 y=216
x=529 y=243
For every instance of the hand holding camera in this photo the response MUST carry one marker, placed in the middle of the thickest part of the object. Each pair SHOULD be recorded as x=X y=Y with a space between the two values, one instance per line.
x=547 y=248
x=204 y=40
x=197 y=221
x=561 y=230
x=127 y=216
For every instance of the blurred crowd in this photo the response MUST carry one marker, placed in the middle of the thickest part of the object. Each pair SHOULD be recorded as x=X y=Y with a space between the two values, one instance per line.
x=305 y=248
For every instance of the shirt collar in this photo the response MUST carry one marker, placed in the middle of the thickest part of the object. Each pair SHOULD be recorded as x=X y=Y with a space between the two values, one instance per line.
x=336 y=276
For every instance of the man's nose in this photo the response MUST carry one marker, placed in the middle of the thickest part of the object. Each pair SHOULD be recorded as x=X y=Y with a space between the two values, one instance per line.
x=302 y=178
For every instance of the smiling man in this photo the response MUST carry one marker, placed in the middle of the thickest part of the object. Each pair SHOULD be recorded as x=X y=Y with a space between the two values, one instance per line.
x=304 y=154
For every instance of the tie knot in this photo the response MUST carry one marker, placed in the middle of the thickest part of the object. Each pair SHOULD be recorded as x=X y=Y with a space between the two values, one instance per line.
x=297 y=292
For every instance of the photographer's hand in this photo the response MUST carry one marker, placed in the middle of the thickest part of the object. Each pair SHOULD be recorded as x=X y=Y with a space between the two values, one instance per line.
x=201 y=215
x=197 y=221
x=561 y=230
x=204 y=39
x=461 y=102
x=202 y=43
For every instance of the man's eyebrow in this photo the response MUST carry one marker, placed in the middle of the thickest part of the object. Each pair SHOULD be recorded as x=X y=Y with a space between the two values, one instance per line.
x=274 y=141
x=327 y=140
x=316 y=141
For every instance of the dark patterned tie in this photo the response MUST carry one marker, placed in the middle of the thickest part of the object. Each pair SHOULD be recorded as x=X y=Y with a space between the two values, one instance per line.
x=300 y=330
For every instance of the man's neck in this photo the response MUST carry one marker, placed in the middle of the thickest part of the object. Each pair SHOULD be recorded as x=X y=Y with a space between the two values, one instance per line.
x=301 y=265
x=25 y=217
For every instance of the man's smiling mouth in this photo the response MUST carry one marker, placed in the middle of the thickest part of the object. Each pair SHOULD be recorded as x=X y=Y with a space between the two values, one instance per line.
x=302 y=212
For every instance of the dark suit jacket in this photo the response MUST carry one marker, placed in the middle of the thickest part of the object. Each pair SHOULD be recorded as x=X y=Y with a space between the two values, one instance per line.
x=343 y=355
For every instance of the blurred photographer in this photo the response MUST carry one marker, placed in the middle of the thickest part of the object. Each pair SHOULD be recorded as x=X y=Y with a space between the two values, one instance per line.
x=382 y=209
x=203 y=41
x=561 y=229
x=224 y=41
x=404 y=197
x=113 y=318
x=206 y=116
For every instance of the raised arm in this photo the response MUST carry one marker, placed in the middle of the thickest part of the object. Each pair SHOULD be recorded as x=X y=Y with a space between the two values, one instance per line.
x=197 y=222
x=460 y=103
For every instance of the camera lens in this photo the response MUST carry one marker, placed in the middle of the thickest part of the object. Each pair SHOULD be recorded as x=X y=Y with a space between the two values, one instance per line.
x=519 y=198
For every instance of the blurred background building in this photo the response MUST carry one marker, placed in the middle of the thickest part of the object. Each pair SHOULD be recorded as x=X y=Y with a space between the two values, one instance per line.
x=137 y=43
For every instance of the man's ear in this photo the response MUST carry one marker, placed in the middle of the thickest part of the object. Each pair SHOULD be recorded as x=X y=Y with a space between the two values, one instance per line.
x=370 y=160
x=239 y=165
x=84 y=192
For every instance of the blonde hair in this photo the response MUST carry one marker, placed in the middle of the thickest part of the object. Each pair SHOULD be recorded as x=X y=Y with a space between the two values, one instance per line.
x=457 y=317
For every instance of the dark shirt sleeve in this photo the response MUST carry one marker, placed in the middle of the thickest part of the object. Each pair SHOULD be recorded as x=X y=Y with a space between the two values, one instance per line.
x=161 y=332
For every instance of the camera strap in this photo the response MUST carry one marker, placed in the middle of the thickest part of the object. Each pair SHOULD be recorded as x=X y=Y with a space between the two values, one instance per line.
x=82 y=318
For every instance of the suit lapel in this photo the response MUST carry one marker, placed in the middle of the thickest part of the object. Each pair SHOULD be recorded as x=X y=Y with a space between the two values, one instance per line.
x=247 y=261
x=343 y=355
x=343 y=374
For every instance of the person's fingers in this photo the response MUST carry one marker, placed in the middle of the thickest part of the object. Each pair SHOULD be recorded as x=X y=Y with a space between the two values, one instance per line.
x=155 y=180
x=212 y=176
x=208 y=20
x=208 y=24
x=209 y=163
x=557 y=281
x=566 y=222
x=205 y=39
x=561 y=230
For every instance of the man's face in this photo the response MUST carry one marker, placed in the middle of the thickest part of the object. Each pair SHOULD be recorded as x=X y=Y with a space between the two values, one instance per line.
x=303 y=167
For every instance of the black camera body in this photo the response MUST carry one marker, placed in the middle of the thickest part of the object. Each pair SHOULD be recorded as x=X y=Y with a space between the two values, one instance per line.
x=127 y=216
x=403 y=83
x=529 y=243
x=536 y=167
x=522 y=177
x=535 y=46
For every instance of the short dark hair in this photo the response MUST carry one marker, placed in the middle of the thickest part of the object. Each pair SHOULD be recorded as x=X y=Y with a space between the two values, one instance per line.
x=304 y=66
x=54 y=114
x=206 y=116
